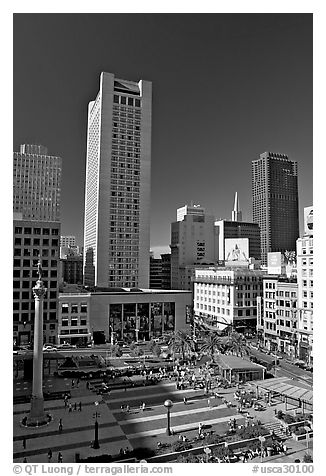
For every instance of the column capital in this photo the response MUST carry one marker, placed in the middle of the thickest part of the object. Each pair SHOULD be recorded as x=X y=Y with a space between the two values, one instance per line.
x=39 y=290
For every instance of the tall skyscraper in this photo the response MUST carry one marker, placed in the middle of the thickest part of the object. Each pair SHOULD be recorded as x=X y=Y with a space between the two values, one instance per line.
x=275 y=202
x=37 y=183
x=117 y=195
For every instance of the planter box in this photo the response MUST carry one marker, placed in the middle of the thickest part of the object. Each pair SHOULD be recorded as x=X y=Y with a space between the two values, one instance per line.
x=169 y=457
x=302 y=437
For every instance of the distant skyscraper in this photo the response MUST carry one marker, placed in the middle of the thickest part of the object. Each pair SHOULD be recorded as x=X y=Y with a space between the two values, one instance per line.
x=275 y=202
x=117 y=195
x=68 y=240
x=36 y=183
x=236 y=213
x=236 y=228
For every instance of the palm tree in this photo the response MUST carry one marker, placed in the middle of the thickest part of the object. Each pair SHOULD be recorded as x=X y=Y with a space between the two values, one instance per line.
x=181 y=342
x=212 y=344
x=237 y=344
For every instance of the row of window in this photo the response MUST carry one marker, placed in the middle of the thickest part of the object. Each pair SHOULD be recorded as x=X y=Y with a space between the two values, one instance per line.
x=73 y=308
x=29 y=295
x=29 y=305
x=27 y=284
x=26 y=316
x=36 y=231
x=30 y=263
x=125 y=100
x=73 y=322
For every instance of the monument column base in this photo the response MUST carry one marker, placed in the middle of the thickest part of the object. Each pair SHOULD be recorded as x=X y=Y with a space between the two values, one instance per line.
x=36 y=416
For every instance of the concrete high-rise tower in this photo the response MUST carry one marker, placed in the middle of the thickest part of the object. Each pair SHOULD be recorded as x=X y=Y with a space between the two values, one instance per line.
x=275 y=202
x=36 y=183
x=236 y=213
x=117 y=195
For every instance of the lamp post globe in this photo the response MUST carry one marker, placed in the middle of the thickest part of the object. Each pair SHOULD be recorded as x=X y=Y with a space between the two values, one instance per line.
x=168 y=405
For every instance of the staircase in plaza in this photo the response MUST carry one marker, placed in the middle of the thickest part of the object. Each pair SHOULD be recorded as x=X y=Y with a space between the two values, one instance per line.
x=274 y=426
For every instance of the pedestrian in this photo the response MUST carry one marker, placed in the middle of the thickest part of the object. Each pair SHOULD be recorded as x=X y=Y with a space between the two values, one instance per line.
x=144 y=406
x=70 y=408
x=127 y=408
x=75 y=406
x=209 y=402
x=200 y=427
x=49 y=455
x=185 y=400
x=25 y=460
x=80 y=406
x=72 y=383
x=60 y=427
x=60 y=457
x=24 y=443
x=284 y=449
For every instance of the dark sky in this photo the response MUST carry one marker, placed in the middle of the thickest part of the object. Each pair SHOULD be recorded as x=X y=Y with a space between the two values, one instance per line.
x=226 y=87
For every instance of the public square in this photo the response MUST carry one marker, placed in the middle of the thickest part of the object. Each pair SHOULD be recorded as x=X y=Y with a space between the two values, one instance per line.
x=125 y=426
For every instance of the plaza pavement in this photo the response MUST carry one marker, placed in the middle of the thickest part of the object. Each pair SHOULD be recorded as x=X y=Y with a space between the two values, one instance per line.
x=119 y=429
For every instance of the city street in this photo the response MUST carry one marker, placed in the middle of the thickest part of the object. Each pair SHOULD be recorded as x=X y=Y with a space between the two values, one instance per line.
x=285 y=367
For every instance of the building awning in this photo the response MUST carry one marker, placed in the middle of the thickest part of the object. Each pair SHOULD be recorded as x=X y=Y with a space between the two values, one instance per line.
x=285 y=386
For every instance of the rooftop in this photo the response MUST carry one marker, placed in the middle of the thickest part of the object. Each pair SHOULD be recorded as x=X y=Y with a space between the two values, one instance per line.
x=233 y=362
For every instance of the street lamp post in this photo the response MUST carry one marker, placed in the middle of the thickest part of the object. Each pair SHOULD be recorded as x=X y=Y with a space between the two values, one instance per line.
x=261 y=439
x=96 y=415
x=207 y=451
x=168 y=405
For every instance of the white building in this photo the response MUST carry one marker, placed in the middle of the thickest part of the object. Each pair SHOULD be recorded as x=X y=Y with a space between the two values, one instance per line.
x=117 y=195
x=189 y=210
x=67 y=241
x=227 y=296
x=37 y=183
x=305 y=275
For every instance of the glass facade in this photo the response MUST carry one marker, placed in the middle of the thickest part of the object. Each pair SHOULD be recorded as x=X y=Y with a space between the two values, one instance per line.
x=145 y=319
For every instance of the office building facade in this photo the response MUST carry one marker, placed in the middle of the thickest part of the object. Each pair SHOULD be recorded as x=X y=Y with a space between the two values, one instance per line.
x=37 y=183
x=117 y=194
x=193 y=241
x=68 y=241
x=275 y=202
x=277 y=321
x=155 y=273
x=32 y=239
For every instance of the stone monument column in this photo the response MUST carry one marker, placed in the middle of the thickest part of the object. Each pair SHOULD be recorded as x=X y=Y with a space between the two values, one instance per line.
x=37 y=416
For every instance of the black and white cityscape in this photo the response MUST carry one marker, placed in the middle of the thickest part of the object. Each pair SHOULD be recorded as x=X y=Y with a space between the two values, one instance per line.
x=163 y=239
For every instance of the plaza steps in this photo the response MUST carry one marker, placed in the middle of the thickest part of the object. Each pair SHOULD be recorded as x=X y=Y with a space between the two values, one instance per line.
x=276 y=427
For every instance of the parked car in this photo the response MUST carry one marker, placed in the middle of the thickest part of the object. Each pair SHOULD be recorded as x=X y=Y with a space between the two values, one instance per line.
x=300 y=363
x=66 y=346
x=49 y=348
